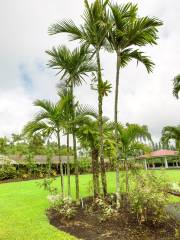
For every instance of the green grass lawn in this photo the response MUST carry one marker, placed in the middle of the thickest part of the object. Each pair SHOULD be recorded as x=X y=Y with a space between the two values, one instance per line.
x=23 y=204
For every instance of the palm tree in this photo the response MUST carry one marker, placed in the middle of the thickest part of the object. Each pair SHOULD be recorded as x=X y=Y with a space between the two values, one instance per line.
x=73 y=67
x=89 y=138
x=91 y=33
x=171 y=133
x=48 y=121
x=130 y=139
x=65 y=94
x=129 y=31
x=176 y=86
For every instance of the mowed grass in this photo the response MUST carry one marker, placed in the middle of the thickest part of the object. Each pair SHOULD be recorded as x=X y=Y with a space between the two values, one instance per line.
x=23 y=205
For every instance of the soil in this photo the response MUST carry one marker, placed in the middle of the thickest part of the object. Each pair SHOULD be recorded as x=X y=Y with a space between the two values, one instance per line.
x=88 y=226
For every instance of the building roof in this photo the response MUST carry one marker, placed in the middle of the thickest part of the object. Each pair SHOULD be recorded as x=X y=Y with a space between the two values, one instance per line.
x=159 y=153
x=39 y=159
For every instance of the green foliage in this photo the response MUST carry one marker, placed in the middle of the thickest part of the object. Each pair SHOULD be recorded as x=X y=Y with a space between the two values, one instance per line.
x=3 y=144
x=47 y=184
x=7 y=172
x=105 y=208
x=176 y=86
x=171 y=133
x=64 y=207
x=148 y=198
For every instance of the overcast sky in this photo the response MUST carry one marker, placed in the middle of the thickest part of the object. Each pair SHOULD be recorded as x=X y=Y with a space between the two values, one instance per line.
x=24 y=76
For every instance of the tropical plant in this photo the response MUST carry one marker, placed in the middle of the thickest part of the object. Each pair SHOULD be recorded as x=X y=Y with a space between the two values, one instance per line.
x=89 y=138
x=130 y=139
x=91 y=33
x=48 y=121
x=176 y=86
x=3 y=144
x=128 y=32
x=73 y=67
x=171 y=133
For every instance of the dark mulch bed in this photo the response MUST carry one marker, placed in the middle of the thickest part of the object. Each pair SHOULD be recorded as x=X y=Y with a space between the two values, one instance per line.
x=88 y=227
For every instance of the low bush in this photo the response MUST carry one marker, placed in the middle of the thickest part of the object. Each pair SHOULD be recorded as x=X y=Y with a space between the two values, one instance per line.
x=103 y=208
x=148 y=198
x=64 y=207
x=7 y=172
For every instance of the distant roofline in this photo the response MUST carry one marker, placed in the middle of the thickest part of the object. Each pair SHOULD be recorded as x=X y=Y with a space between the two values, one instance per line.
x=159 y=154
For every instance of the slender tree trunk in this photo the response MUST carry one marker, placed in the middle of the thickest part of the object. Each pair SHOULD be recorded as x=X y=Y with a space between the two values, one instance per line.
x=68 y=168
x=75 y=148
x=76 y=167
x=116 y=130
x=60 y=164
x=127 y=177
x=100 y=123
x=95 y=171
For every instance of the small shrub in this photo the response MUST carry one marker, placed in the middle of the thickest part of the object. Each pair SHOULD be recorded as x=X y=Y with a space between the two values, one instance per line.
x=64 y=207
x=7 y=172
x=148 y=198
x=47 y=184
x=104 y=208
x=175 y=187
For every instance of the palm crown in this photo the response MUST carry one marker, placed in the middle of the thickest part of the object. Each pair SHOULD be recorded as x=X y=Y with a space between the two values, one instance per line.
x=73 y=66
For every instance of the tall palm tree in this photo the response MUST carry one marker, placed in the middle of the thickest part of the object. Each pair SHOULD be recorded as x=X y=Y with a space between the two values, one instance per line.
x=73 y=67
x=48 y=121
x=128 y=32
x=65 y=94
x=130 y=139
x=91 y=33
x=171 y=133
x=176 y=86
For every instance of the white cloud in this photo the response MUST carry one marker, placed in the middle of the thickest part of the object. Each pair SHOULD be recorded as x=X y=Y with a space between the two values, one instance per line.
x=145 y=99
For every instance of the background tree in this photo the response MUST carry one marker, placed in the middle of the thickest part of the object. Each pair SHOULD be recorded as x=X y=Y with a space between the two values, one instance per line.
x=171 y=133
x=176 y=86
x=3 y=145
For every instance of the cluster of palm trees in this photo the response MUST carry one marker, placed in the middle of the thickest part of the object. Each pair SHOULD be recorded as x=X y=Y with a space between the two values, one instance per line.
x=105 y=26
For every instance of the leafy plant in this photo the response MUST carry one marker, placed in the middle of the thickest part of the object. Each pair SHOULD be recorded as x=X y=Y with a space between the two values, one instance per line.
x=47 y=185
x=64 y=207
x=7 y=172
x=105 y=208
x=148 y=198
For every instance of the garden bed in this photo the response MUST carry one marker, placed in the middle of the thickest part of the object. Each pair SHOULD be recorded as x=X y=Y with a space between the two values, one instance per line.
x=124 y=226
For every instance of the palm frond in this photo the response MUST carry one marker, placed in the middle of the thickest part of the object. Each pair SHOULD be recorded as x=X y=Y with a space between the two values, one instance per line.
x=128 y=54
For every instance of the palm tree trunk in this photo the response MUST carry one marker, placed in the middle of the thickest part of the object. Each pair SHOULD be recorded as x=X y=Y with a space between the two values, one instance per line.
x=95 y=171
x=76 y=166
x=68 y=168
x=60 y=164
x=116 y=130
x=100 y=122
x=127 y=177
x=75 y=148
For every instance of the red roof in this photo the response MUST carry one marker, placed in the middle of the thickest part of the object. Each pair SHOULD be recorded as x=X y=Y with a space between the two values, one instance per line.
x=159 y=153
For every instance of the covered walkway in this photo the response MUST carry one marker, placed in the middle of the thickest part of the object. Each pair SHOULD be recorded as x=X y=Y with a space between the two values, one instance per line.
x=161 y=158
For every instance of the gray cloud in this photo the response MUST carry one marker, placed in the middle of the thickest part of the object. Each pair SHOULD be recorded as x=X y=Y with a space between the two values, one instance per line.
x=145 y=99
